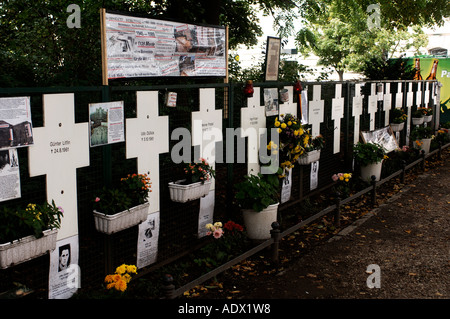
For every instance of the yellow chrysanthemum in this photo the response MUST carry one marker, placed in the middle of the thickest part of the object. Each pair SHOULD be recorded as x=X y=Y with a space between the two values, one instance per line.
x=283 y=125
x=277 y=123
x=121 y=269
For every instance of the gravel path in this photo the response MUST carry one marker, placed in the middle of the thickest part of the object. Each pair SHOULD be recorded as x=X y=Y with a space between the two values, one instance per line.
x=407 y=239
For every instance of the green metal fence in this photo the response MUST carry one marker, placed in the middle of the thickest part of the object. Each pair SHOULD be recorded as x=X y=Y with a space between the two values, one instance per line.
x=98 y=253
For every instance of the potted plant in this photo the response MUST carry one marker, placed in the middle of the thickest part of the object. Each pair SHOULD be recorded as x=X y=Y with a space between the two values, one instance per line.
x=417 y=116
x=398 y=118
x=312 y=150
x=196 y=184
x=28 y=233
x=293 y=139
x=123 y=205
x=258 y=198
x=370 y=158
x=422 y=137
x=428 y=114
x=342 y=183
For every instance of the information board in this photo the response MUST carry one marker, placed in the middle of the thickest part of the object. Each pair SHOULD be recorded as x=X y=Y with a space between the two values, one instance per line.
x=143 y=47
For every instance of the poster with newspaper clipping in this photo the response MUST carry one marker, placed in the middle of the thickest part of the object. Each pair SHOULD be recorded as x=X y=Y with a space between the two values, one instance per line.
x=143 y=47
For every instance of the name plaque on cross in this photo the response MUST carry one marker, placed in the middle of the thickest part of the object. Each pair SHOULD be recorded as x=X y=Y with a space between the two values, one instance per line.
x=207 y=127
x=372 y=105
x=387 y=101
x=337 y=113
x=253 y=125
x=315 y=113
x=147 y=136
x=60 y=147
x=357 y=111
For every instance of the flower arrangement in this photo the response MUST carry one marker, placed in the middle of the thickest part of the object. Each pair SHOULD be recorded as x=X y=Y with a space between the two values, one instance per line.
x=199 y=171
x=131 y=191
x=32 y=220
x=120 y=279
x=215 y=229
x=427 y=111
x=228 y=239
x=293 y=140
x=421 y=132
x=316 y=143
x=257 y=192
x=342 y=181
x=398 y=116
x=368 y=153
x=420 y=112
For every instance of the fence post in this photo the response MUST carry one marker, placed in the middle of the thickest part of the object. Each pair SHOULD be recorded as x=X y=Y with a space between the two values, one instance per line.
x=169 y=287
x=337 y=213
x=374 y=190
x=422 y=164
x=440 y=151
x=402 y=178
x=275 y=233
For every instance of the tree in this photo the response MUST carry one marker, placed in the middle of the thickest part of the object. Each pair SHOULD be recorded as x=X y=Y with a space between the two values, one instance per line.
x=346 y=41
x=38 y=48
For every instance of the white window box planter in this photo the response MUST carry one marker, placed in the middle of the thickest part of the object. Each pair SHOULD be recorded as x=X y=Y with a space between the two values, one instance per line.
x=427 y=118
x=109 y=224
x=310 y=157
x=27 y=248
x=397 y=127
x=183 y=193
x=417 y=120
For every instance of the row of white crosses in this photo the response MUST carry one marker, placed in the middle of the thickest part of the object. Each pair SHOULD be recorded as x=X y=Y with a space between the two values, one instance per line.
x=61 y=146
x=60 y=130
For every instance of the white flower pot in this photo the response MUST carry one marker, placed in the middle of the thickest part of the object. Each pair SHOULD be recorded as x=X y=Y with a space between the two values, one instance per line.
x=310 y=157
x=417 y=120
x=183 y=193
x=371 y=169
x=425 y=145
x=427 y=118
x=397 y=127
x=109 y=224
x=259 y=224
x=27 y=248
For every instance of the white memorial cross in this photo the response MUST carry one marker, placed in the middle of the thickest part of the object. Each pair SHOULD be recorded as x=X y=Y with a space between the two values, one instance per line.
x=387 y=101
x=207 y=127
x=399 y=96
x=419 y=95
x=147 y=136
x=253 y=124
x=426 y=98
x=357 y=111
x=288 y=107
x=372 y=105
x=409 y=103
x=316 y=107
x=60 y=147
x=337 y=113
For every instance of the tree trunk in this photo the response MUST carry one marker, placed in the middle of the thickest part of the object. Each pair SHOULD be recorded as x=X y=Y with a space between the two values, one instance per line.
x=341 y=74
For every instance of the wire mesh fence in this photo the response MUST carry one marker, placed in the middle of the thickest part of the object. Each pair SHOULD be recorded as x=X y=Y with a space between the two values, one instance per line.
x=179 y=222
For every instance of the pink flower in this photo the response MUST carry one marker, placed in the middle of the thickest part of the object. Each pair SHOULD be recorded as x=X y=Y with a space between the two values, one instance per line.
x=60 y=209
x=335 y=177
x=218 y=233
x=97 y=199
